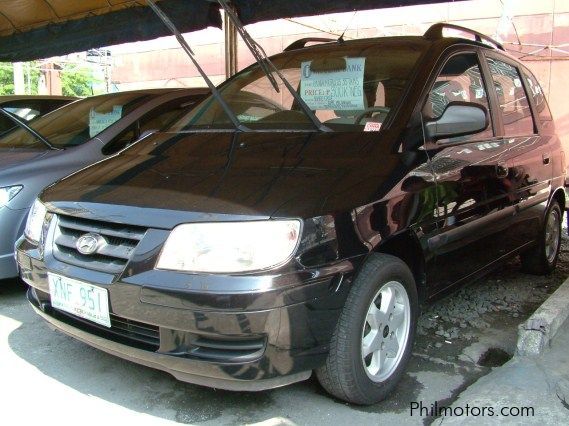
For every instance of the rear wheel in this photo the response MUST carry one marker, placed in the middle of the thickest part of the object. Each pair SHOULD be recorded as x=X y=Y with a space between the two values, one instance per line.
x=374 y=335
x=541 y=259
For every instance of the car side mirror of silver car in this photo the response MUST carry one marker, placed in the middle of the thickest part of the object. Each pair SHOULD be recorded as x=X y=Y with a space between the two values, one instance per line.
x=458 y=119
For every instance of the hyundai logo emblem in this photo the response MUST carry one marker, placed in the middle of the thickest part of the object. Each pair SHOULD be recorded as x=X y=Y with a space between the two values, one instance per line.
x=89 y=243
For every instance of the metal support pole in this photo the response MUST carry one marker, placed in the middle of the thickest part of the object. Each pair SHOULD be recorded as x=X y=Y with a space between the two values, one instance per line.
x=19 y=82
x=230 y=46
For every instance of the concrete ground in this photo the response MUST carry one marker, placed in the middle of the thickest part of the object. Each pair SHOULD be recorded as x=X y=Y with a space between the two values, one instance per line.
x=538 y=388
x=461 y=339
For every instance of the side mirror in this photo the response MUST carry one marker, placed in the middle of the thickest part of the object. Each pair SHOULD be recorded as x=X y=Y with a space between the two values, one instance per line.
x=458 y=119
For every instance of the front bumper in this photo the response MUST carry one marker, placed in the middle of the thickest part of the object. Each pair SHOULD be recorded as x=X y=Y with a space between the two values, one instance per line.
x=182 y=369
x=11 y=226
x=241 y=341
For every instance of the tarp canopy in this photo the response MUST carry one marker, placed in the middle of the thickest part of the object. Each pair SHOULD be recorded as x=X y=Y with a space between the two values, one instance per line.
x=32 y=29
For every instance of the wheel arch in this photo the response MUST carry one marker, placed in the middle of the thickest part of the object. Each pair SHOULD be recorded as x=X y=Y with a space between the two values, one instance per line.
x=406 y=246
x=559 y=196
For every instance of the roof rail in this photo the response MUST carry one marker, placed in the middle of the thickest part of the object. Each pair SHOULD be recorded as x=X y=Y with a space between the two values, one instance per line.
x=299 y=44
x=435 y=32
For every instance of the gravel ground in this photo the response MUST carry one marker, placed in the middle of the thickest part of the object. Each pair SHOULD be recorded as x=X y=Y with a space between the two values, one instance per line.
x=505 y=295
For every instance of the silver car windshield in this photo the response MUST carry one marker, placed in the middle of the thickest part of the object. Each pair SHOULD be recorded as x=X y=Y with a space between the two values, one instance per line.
x=76 y=123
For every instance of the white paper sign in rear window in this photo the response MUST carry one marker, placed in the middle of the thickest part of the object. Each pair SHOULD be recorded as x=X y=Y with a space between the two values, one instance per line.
x=100 y=121
x=339 y=90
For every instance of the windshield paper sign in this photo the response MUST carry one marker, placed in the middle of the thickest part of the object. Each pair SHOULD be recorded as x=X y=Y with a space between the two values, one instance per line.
x=100 y=121
x=336 y=90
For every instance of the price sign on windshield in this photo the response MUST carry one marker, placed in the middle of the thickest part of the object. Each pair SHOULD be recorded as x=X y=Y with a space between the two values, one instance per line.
x=339 y=90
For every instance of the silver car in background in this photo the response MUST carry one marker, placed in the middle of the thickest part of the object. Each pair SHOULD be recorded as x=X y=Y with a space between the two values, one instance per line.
x=38 y=153
x=28 y=107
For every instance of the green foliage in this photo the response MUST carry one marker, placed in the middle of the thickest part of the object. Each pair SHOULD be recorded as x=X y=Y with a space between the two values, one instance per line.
x=6 y=79
x=31 y=77
x=77 y=81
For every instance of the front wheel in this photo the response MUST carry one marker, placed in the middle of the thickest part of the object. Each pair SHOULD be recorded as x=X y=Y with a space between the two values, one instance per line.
x=374 y=336
x=541 y=259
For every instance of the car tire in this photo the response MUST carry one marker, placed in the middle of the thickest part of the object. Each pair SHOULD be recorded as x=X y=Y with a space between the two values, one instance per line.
x=542 y=258
x=387 y=332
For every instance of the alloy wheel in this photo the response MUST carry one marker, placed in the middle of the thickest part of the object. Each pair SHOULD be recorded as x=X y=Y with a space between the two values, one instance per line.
x=552 y=234
x=385 y=331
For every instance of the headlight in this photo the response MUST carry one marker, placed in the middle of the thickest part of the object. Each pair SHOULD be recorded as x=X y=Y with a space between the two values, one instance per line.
x=35 y=221
x=7 y=193
x=229 y=246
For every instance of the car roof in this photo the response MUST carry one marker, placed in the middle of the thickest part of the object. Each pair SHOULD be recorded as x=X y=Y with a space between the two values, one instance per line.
x=156 y=92
x=418 y=41
x=182 y=91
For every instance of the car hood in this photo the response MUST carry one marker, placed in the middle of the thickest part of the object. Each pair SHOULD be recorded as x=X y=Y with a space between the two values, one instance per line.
x=255 y=174
x=10 y=157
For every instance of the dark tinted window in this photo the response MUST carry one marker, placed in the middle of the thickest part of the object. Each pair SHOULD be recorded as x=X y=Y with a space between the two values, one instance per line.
x=459 y=81
x=538 y=98
x=516 y=112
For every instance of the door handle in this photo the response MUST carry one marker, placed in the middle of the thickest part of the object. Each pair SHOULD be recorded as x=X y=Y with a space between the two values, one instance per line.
x=545 y=158
x=502 y=170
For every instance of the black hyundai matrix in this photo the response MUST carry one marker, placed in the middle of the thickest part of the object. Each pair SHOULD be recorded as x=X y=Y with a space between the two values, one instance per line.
x=279 y=232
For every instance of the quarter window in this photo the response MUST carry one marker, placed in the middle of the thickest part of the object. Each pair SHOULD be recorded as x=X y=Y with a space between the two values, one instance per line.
x=512 y=99
x=538 y=98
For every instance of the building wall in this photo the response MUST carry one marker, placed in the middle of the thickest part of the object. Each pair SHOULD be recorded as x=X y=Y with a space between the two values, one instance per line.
x=524 y=25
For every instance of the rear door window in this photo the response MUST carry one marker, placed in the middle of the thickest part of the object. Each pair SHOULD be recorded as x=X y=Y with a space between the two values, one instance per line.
x=512 y=99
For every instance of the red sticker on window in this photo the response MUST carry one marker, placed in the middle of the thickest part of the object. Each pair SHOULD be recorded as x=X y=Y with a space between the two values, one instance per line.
x=372 y=126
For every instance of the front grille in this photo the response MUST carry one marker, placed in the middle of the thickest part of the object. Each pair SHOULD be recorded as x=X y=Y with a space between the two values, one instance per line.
x=112 y=257
x=122 y=330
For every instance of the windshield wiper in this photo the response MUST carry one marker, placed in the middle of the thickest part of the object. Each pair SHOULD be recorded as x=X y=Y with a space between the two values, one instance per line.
x=255 y=48
x=27 y=128
x=186 y=47
x=267 y=65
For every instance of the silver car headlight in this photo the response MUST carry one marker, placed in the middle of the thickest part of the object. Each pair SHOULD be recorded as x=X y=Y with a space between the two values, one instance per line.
x=7 y=193
x=35 y=220
x=229 y=246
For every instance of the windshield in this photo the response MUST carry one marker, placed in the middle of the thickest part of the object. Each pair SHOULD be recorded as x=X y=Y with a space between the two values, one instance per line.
x=76 y=123
x=350 y=87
